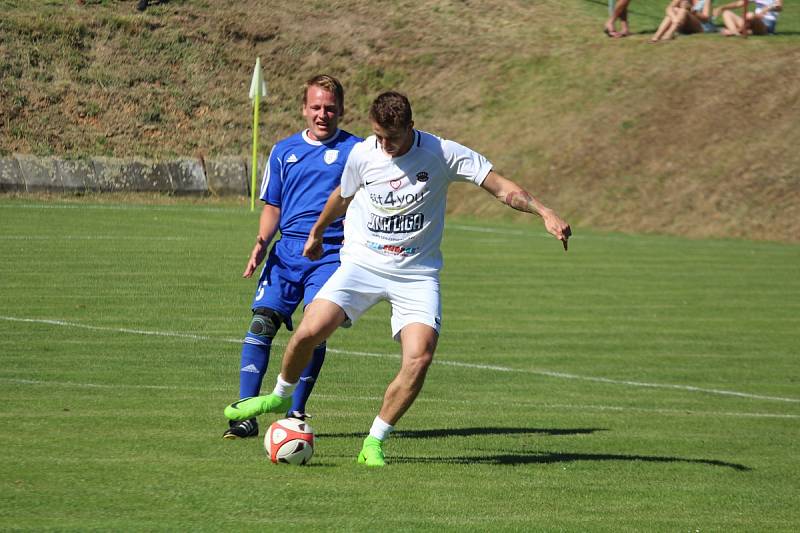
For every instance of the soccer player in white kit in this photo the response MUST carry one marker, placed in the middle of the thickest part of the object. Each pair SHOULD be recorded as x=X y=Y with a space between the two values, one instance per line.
x=394 y=191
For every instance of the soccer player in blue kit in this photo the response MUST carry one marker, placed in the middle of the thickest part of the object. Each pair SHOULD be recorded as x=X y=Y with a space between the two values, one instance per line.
x=301 y=173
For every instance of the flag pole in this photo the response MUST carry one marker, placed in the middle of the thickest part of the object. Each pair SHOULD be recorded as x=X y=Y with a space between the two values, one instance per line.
x=258 y=88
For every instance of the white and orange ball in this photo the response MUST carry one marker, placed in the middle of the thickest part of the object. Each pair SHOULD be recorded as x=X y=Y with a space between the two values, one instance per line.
x=289 y=441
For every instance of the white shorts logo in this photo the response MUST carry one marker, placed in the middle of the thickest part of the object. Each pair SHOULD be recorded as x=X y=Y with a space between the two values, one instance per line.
x=331 y=156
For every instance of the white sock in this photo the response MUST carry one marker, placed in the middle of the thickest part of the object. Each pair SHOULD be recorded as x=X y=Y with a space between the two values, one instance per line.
x=380 y=429
x=283 y=388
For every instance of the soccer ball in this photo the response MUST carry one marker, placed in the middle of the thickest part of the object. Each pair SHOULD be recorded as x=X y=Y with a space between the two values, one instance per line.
x=289 y=441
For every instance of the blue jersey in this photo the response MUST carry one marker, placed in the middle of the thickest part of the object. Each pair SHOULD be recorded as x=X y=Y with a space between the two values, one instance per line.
x=299 y=178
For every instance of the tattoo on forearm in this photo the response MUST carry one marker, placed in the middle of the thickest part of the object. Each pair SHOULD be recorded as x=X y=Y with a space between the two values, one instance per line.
x=521 y=201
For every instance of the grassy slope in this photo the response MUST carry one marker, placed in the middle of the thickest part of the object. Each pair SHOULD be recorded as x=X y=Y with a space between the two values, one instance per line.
x=690 y=137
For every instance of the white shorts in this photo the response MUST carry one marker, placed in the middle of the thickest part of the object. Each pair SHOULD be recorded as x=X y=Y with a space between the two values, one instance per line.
x=355 y=289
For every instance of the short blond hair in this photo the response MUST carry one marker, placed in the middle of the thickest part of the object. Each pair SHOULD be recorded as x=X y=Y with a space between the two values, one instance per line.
x=330 y=84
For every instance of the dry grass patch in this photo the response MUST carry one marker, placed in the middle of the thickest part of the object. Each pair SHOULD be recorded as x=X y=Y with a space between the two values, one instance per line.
x=694 y=136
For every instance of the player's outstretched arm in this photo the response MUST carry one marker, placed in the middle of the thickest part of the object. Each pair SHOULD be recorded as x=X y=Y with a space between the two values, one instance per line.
x=267 y=227
x=335 y=207
x=518 y=198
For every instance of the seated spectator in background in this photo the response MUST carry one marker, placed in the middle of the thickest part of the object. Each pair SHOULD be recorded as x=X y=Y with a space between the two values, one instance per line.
x=620 y=12
x=685 y=16
x=760 y=22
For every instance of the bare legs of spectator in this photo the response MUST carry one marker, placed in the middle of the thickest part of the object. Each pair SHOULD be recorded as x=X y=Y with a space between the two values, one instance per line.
x=734 y=24
x=620 y=13
x=678 y=18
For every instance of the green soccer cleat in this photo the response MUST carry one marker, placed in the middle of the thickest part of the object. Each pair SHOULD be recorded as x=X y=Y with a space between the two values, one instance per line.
x=247 y=408
x=371 y=453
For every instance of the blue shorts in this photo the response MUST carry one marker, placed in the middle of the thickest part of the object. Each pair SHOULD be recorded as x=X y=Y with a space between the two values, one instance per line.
x=288 y=277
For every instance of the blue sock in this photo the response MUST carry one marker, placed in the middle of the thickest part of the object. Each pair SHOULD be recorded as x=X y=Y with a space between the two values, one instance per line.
x=307 y=379
x=255 y=357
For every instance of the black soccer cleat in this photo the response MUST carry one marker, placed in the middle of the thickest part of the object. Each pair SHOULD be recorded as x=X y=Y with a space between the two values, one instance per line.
x=241 y=429
x=297 y=415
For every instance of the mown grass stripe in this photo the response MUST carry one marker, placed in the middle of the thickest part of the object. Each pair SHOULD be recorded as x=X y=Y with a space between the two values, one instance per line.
x=459 y=364
x=338 y=398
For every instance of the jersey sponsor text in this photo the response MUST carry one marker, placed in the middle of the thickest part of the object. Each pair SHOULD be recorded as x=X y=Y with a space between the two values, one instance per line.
x=394 y=199
x=392 y=249
x=396 y=224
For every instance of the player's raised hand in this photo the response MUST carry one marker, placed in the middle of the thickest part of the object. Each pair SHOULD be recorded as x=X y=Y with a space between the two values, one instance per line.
x=313 y=247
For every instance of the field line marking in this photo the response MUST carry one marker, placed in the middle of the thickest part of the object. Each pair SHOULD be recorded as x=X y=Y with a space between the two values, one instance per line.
x=20 y=381
x=88 y=238
x=125 y=207
x=547 y=373
x=500 y=231
x=572 y=407
x=206 y=209
x=601 y=236
x=118 y=330
x=666 y=386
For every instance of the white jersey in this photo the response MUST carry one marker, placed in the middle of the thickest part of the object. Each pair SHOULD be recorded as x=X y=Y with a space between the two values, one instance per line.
x=763 y=5
x=394 y=224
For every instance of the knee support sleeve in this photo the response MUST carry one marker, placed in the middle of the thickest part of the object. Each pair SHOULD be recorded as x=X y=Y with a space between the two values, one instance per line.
x=265 y=322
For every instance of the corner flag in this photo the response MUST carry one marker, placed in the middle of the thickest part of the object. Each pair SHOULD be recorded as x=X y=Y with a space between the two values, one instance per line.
x=258 y=88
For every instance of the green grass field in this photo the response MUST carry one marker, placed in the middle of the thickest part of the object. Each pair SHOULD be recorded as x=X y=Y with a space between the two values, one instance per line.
x=636 y=383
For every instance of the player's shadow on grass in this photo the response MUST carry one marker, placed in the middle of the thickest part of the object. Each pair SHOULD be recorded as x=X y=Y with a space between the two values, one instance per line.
x=469 y=432
x=553 y=457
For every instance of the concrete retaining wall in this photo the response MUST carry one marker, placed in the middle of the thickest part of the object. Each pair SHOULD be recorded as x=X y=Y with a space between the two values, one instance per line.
x=222 y=176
